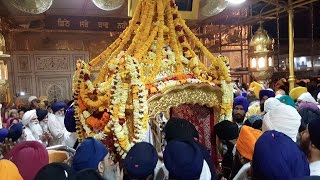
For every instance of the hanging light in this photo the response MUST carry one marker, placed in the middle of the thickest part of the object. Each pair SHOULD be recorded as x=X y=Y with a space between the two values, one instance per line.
x=236 y=1
x=214 y=7
x=261 y=55
x=108 y=5
x=31 y=6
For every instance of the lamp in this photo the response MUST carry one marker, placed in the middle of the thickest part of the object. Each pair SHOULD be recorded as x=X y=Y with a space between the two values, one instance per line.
x=236 y=1
x=3 y=70
x=261 y=55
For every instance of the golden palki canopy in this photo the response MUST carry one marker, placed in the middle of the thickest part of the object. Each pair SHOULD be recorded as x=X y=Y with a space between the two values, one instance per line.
x=150 y=56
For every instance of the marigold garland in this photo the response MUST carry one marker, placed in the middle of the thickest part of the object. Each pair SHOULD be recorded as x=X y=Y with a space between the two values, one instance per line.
x=158 y=57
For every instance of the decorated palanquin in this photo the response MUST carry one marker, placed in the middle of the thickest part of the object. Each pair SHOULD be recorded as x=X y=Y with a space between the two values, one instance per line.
x=150 y=69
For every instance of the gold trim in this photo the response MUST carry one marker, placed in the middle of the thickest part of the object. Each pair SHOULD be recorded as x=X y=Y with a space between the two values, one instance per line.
x=192 y=15
x=202 y=94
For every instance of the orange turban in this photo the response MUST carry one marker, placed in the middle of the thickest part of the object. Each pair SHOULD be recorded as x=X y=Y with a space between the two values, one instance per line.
x=246 y=141
x=9 y=171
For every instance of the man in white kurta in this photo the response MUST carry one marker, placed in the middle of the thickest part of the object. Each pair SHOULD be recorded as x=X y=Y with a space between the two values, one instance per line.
x=33 y=131
x=57 y=128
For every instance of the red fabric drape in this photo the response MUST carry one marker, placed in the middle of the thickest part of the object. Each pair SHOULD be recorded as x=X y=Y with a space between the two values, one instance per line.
x=202 y=118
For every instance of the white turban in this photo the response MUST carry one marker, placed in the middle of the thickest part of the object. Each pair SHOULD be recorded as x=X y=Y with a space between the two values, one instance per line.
x=27 y=116
x=271 y=104
x=318 y=95
x=31 y=98
x=307 y=97
x=285 y=119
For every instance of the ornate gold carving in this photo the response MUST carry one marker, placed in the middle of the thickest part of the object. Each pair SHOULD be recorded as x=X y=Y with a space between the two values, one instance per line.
x=187 y=94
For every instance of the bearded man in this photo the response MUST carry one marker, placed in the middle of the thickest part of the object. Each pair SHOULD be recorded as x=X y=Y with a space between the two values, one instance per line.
x=33 y=129
x=263 y=96
x=56 y=126
x=240 y=107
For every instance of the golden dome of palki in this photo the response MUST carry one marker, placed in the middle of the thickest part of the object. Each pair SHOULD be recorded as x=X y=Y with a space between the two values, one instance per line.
x=152 y=54
x=261 y=41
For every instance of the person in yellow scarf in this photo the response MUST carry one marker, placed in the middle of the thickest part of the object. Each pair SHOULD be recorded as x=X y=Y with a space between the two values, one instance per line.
x=9 y=171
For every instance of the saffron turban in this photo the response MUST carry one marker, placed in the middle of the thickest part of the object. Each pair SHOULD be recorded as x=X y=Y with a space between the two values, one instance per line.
x=69 y=120
x=226 y=130
x=308 y=115
x=29 y=157
x=256 y=87
x=271 y=104
x=285 y=119
x=56 y=171
x=241 y=101
x=287 y=100
x=3 y=134
x=183 y=160
x=266 y=92
x=27 y=116
x=41 y=114
x=9 y=171
x=246 y=141
x=314 y=127
x=277 y=157
x=89 y=154
x=15 y=131
x=57 y=106
x=307 y=97
x=141 y=161
x=297 y=91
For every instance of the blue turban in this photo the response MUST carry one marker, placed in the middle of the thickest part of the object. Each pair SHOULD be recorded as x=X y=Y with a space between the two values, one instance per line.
x=314 y=133
x=57 y=106
x=89 y=154
x=141 y=160
x=254 y=121
x=3 y=134
x=276 y=156
x=266 y=92
x=15 y=131
x=287 y=100
x=240 y=100
x=41 y=114
x=183 y=160
x=69 y=120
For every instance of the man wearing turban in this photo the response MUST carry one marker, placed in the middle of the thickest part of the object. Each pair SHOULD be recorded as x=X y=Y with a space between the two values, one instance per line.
x=264 y=95
x=94 y=155
x=245 y=147
x=277 y=157
x=56 y=126
x=240 y=107
x=9 y=170
x=285 y=119
x=29 y=157
x=310 y=144
x=33 y=129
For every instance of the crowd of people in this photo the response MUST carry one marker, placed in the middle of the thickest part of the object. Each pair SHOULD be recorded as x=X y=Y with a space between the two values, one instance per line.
x=273 y=135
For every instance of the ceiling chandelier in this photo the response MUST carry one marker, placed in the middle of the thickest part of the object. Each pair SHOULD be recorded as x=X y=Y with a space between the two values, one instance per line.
x=236 y=1
x=108 y=5
x=31 y=6
x=214 y=7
